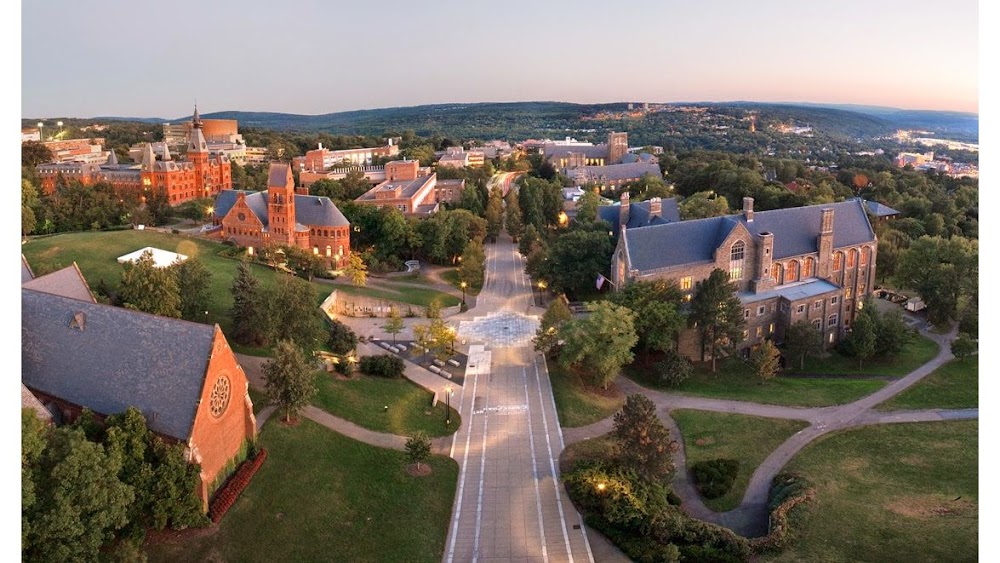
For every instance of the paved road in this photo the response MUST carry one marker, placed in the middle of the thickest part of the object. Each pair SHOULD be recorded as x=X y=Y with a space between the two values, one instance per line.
x=510 y=505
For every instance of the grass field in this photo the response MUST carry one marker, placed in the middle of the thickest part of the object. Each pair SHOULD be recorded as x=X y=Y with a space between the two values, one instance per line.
x=579 y=404
x=747 y=439
x=954 y=385
x=920 y=351
x=455 y=279
x=323 y=497
x=734 y=380
x=96 y=254
x=362 y=400
x=419 y=296
x=893 y=492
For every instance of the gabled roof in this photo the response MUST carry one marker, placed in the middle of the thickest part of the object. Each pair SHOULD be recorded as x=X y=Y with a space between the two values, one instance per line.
x=615 y=172
x=795 y=230
x=30 y=401
x=310 y=210
x=590 y=151
x=277 y=174
x=119 y=358
x=68 y=282
x=638 y=214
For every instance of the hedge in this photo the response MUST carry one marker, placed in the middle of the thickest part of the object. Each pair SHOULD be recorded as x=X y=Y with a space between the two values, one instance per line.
x=790 y=505
x=383 y=365
x=231 y=491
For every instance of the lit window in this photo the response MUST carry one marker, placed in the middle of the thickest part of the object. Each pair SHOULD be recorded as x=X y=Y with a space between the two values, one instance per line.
x=315 y=250
x=838 y=261
x=807 y=268
x=832 y=320
x=852 y=256
x=847 y=293
x=759 y=331
x=329 y=251
x=736 y=257
x=746 y=334
x=791 y=271
x=686 y=283
x=770 y=328
x=865 y=254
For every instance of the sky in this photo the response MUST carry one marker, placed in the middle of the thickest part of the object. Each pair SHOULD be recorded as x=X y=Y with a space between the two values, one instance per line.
x=122 y=58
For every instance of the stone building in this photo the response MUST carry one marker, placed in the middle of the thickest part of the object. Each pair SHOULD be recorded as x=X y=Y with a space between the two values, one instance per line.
x=813 y=264
x=284 y=215
x=183 y=376
x=405 y=189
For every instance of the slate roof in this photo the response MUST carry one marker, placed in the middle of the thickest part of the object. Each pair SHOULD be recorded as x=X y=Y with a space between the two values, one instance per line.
x=118 y=360
x=795 y=233
x=30 y=401
x=638 y=214
x=310 y=210
x=68 y=282
x=591 y=151
x=277 y=174
x=879 y=210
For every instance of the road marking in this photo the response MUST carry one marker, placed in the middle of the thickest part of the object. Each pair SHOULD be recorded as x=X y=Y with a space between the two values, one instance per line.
x=534 y=468
x=502 y=409
x=461 y=484
x=482 y=470
x=552 y=467
x=562 y=446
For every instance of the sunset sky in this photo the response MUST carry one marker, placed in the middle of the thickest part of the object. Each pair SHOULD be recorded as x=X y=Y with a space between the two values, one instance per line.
x=86 y=59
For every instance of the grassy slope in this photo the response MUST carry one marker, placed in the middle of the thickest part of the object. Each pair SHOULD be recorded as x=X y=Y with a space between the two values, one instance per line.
x=362 y=400
x=887 y=493
x=954 y=385
x=579 y=404
x=323 y=497
x=748 y=439
x=419 y=296
x=455 y=279
x=916 y=354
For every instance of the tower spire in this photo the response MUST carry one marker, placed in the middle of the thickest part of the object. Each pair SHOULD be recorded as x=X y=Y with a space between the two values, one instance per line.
x=196 y=119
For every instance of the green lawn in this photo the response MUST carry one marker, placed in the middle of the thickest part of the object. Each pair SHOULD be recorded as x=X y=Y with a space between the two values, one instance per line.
x=954 y=385
x=920 y=351
x=747 y=439
x=96 y=254
x=893 y=492
x=579 y=404
x=418 y=296
x=734 y=380
x=363 y=399
x=323 y=497
x=455 y=279
x=258 y=399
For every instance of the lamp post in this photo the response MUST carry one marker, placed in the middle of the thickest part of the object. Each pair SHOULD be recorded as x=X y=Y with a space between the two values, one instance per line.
x=41 y=134
x=447 y=398
x=59 y=124
x=463 y=284
x=451 y=341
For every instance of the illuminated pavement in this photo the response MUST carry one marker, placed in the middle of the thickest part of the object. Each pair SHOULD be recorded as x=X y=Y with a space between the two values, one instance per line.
x=509 y=505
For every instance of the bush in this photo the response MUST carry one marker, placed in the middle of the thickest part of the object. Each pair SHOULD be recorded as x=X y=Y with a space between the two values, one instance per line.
x=343 y=368
x=790 y=505
x=672 y=370
x=342 y=339
x=229 y=492
x=383 y=365
x=715 y=477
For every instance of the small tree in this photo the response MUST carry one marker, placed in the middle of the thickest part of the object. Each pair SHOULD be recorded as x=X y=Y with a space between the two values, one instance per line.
x=802 y=340
x=861 y=342
x=494 y=214
x=643 y=443
x=718 y=314
x=144 y=287
x=673 y=369
x=473 y=260
x=342 y=339
x=963 y=346
x=193 y=281
x=601 y=343
x=288 y=380
x=293 y=314
x=515 y=225
x=766 y=360
x=356 y=270
x=547 y=335
x=393 y=324
x=418 y=450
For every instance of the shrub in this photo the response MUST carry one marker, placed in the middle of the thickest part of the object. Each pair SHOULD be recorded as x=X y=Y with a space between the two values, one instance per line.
x=341 y=339
x=383 y=365
x=672 y=370
x=226 y=496
x=343 y=368
x=714 y=477
x=790 y=505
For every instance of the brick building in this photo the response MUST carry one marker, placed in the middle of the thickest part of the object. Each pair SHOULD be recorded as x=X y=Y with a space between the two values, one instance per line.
x=405 y=189
x=199 y=175
x=77 y=353
x=813 y=264
x=457 y=157
x=284 y=216
x=321 y=158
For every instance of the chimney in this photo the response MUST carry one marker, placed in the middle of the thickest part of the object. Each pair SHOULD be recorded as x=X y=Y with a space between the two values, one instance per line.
x=623 y=210
x=79 y=320
x=655 y=208
x=824 y=243
x=302 y=190
x=748 y=209
x=764 y=280
x=826 y=223
x=320 y=146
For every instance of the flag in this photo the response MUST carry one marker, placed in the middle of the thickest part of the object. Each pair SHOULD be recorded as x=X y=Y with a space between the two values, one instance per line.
x=600 y=281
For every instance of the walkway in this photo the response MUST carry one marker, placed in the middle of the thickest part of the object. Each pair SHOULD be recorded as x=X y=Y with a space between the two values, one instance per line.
x=510 y=504
x=750 y=518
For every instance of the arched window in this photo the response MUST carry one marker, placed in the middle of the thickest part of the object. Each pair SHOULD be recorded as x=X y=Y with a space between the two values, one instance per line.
x=865 y=255
x=852 y=257
x=791 y=271
x=329 y=250
x=340 y=250
x=315 y=250
x=807 y=268
x=776 y=273
x=737 y=252
x=838 y=260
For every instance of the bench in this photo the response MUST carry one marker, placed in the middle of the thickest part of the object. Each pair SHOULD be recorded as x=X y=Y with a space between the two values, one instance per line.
x=453 y=363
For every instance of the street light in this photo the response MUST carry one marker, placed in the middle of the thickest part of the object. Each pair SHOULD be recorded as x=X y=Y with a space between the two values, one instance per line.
x=41 y=134
x=463 y=284
x=59 y=123
x=451 y=341
x=447 y=398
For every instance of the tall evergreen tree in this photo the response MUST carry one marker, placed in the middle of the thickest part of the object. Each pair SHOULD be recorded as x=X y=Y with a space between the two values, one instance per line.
x=642 y=442
x=249 y=310
x=193 y=280
x=717 y=314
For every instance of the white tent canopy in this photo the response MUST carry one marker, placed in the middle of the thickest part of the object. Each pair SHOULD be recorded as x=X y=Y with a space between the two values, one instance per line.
x=161 y=258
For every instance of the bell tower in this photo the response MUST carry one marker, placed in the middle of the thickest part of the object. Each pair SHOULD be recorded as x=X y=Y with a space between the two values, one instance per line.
x=281 y=203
